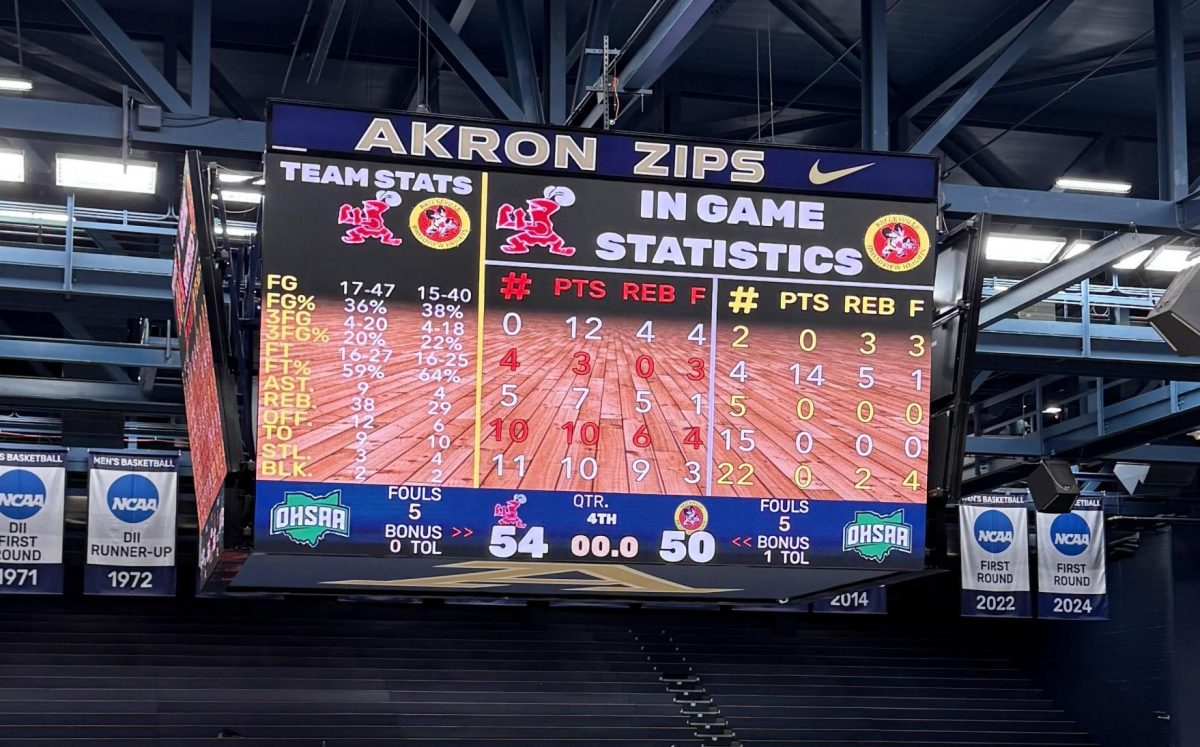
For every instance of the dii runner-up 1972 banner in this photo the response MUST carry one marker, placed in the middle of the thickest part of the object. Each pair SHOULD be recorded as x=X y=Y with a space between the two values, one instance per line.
x=994 y=547
x=131 y=524
x=31 y=521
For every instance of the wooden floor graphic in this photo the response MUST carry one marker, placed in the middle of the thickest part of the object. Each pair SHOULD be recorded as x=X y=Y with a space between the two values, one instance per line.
x=619 y=413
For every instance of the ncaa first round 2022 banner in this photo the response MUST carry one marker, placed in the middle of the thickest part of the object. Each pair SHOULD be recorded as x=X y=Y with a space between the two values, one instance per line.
x=31 y=521
x=131 y=524
x=994 y=548
x=1071 y=571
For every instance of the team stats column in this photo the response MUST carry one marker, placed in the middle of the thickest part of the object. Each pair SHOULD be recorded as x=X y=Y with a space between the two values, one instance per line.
x=368 y=340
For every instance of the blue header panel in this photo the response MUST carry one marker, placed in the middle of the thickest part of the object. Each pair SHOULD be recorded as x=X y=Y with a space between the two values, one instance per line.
x=376 y=135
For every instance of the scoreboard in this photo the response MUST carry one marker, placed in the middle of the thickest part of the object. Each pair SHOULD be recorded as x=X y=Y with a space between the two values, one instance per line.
x=485 y=342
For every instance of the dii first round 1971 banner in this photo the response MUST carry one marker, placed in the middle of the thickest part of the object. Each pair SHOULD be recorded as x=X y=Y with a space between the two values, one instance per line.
x=32 y=484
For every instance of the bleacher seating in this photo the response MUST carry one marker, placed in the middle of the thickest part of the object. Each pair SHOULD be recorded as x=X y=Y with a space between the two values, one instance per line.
x=109 y=672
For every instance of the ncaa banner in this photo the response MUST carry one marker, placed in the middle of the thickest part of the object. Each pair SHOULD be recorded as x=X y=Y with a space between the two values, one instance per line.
x=32 y=498
x=993 y=531
x=872 y=601
x=131 y=524
x=1071 y=576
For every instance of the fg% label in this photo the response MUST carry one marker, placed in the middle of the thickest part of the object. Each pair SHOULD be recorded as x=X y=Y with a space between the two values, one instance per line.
x=297 y=301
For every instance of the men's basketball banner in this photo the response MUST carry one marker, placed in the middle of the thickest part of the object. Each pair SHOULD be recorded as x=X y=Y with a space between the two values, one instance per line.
x=993 y=532
x=1071 y=574
x=131 y=524
x=872 y=601
x=31 y=521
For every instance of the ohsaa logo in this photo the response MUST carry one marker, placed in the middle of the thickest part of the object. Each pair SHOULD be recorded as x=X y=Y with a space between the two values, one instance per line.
x=439 y=223
x=1070 y=535
x=306 y=519
x=874 y=537
x=22 y=494
x=896 y=243
x=993 y=531
x=133 y=499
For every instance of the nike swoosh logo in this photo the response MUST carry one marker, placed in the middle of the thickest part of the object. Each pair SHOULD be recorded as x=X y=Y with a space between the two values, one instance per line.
x=816 y=176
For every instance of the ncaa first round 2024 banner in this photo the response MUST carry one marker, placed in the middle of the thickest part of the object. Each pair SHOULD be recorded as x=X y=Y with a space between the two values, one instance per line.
x=31 y=521
x=131 y=524
x=1071 y=571
x=994 y=547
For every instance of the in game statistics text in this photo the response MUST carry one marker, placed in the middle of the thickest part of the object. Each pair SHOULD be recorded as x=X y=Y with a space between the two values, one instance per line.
x=505 y=365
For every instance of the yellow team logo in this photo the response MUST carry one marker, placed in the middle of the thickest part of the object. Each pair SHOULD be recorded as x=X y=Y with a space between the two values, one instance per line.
x=439 y=223
x=691 y=516
x=896 y=243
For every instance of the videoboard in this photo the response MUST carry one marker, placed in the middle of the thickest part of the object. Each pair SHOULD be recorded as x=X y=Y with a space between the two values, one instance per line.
x=202 y=397
x=488 y=342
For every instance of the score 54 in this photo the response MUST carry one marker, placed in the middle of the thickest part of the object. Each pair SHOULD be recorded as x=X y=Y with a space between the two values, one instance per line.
x=505 y=544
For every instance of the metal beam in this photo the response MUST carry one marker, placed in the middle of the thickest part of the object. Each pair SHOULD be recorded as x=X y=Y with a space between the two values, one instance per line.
x=1132 y=61
x=1037 y=206
x=457 y=21
x=679 y=28
x=1159 y=413
x=985 y=45
x=599 y=13
x=518 y=55
x=1114 y=351
x=75 y=48
x=82 y=83
x=26 y=270
x=126 y=54
x=994 y=71
x=73 y=327
x=128 y=355
x=74 y=394
x=822 y=31
x=875 y=72
x=983 y=167
x=1059 y=275
x=1172 y=100
x=327 y=31
x=38 y=118
x=201 y=56
x=554 y=61
x=462 y=60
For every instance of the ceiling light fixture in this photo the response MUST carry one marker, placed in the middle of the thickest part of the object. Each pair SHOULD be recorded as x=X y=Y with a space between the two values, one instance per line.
x=1133 y=261
x=1035 y=249
x=88 y=172
x=1052 y=410
x=235 y=195
x=233 y=177
x=15 y=84
x=12 y=166
x=1093 y=185
x=1173 y=259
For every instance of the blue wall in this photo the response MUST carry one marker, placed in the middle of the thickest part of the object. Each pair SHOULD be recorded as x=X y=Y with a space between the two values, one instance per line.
x=1115 y=677
x=1185 y=681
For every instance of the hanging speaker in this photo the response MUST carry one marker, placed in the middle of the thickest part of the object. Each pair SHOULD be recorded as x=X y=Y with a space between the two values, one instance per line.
x=1176 y=316
x=1053 y=487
